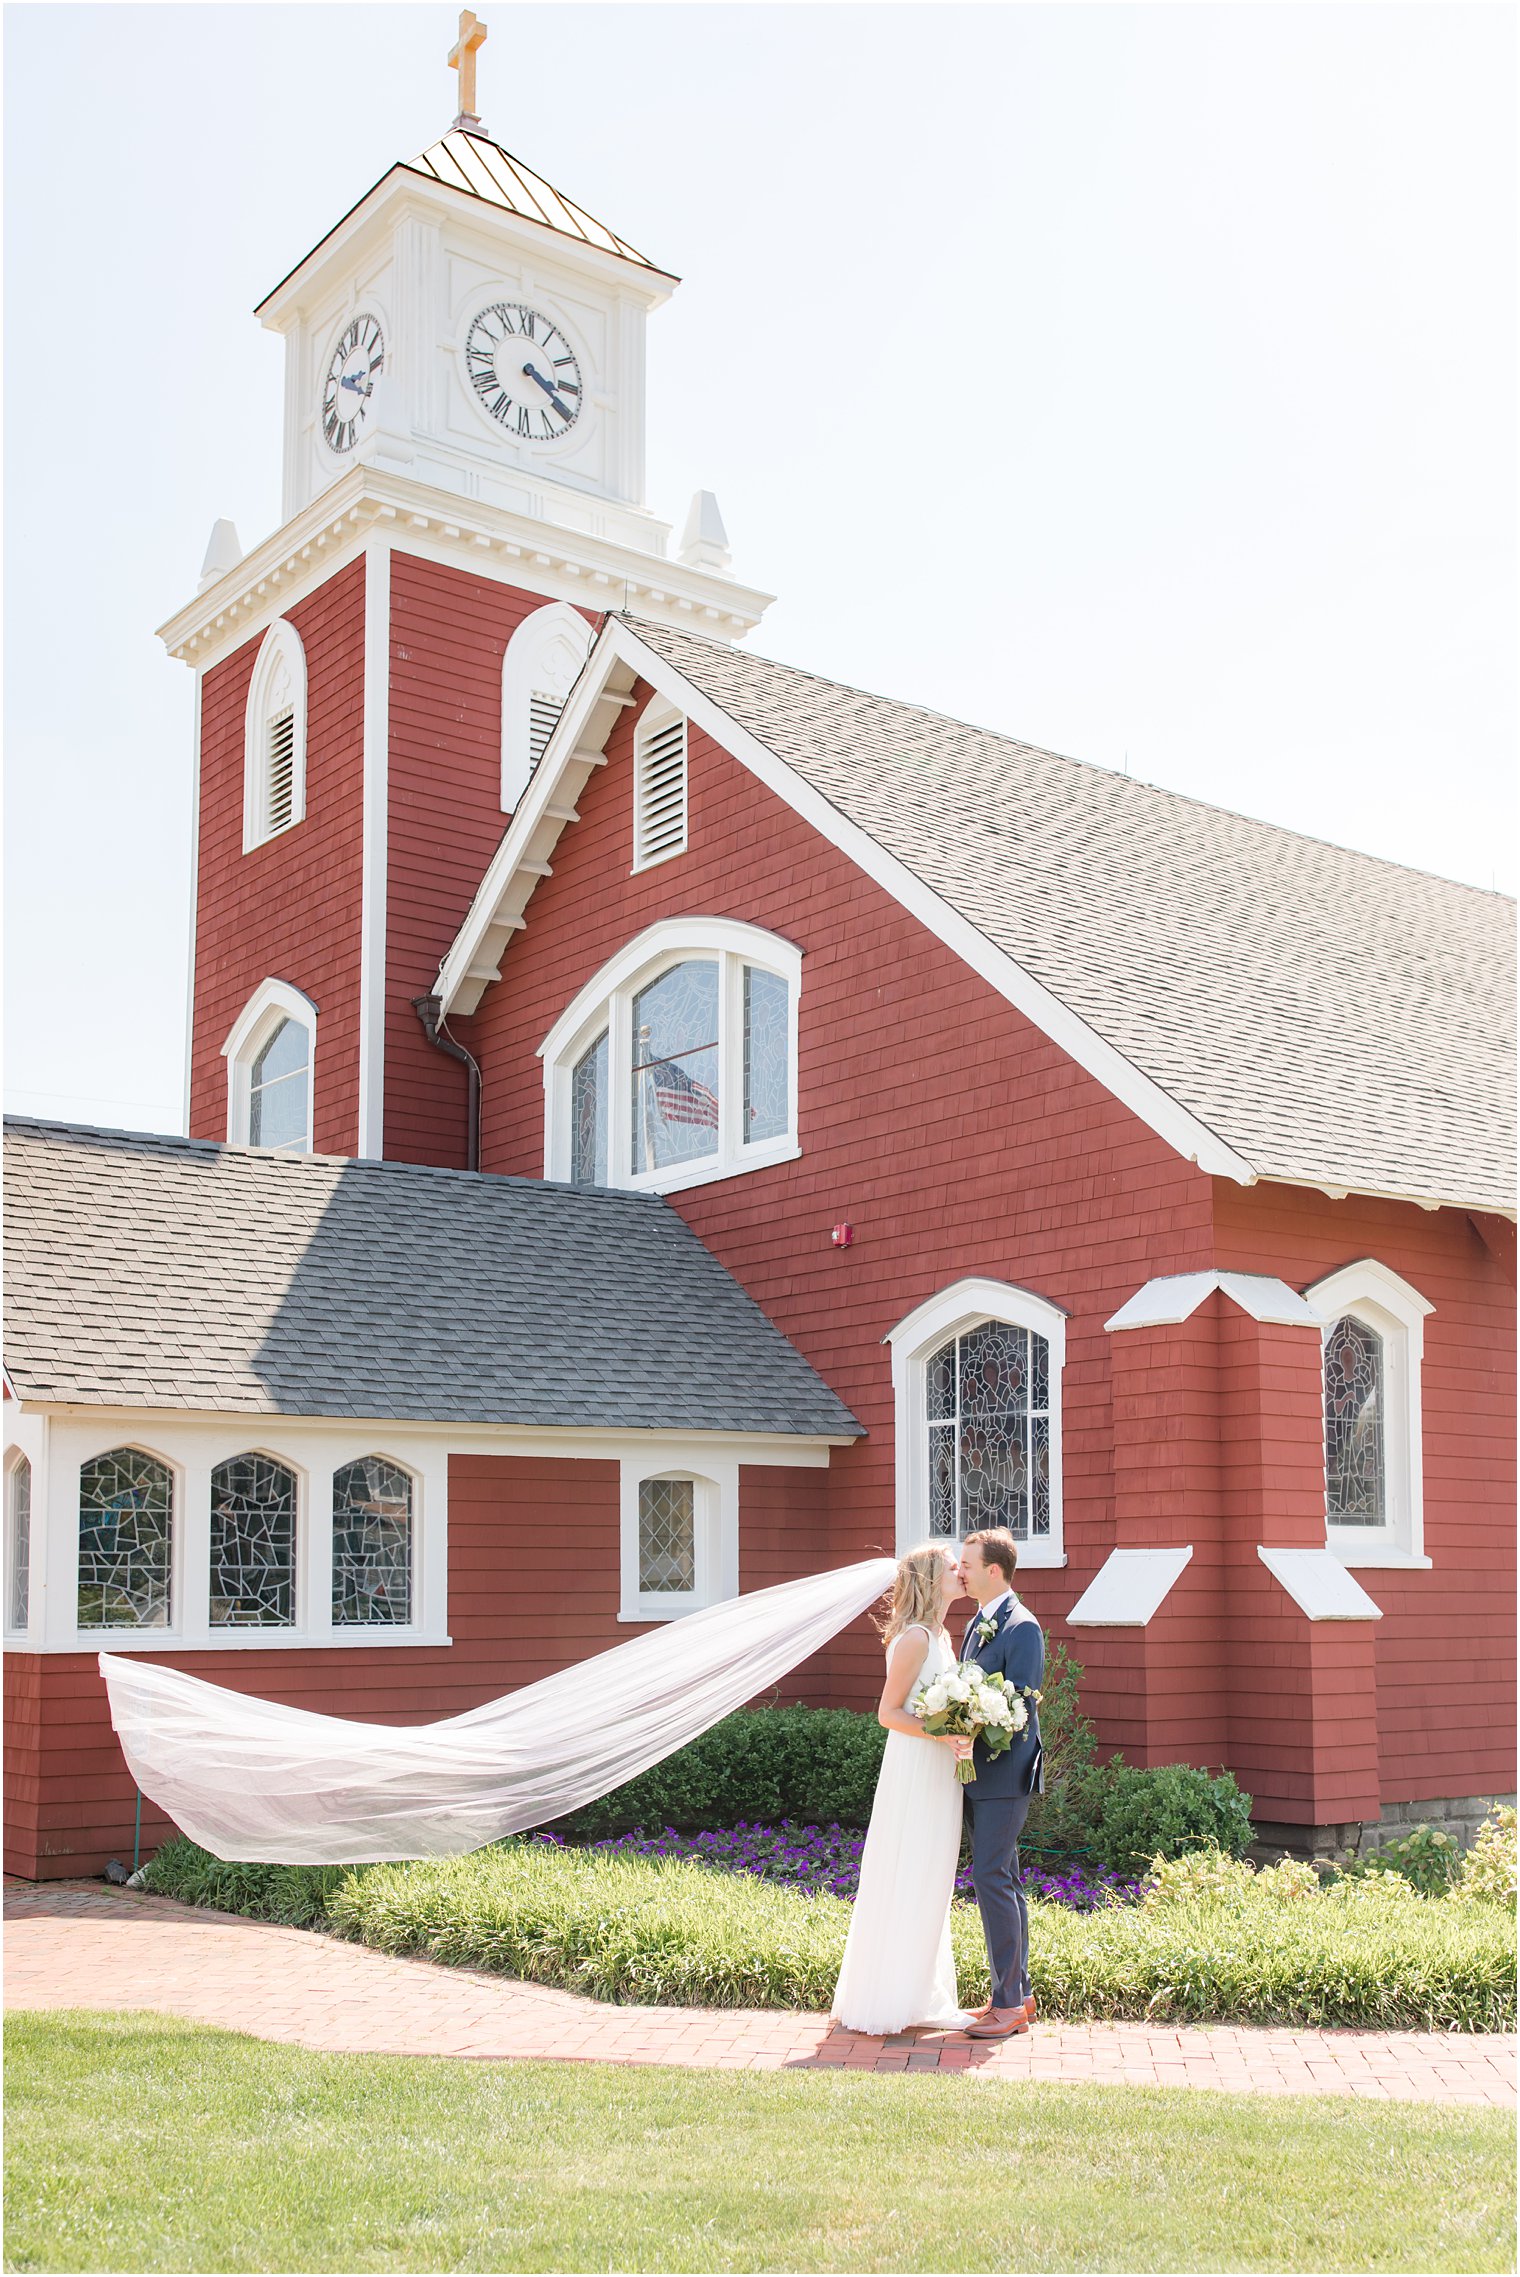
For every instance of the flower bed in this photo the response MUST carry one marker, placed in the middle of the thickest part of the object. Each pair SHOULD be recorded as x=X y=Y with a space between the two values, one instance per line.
x=826 y=1860
x=620 y=1926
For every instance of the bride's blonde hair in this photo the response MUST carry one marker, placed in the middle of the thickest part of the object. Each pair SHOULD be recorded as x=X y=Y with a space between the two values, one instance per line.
x=915 y=1592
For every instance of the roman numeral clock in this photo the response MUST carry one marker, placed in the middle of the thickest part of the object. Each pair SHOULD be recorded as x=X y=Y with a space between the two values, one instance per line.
x=524 y=371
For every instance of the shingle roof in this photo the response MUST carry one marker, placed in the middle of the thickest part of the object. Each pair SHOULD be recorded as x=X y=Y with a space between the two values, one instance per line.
x=164 y=1272
x=1335 y=1019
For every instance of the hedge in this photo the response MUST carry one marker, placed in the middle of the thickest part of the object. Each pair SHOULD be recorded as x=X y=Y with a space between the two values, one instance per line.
x=1363 y=1952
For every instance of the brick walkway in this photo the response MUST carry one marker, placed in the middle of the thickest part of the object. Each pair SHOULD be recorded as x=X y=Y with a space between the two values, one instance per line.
x=81 y=1945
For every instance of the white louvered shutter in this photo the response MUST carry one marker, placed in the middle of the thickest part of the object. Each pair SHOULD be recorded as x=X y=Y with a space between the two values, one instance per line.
x=660 y=797
x=280 y=772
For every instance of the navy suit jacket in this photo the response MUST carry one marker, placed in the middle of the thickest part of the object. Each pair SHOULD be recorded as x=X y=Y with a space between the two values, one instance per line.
x=1017 y=1653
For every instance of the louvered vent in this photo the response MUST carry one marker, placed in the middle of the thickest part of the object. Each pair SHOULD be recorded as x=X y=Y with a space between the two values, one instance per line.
x=543 y=719
x=280 y=778
x=660 y=804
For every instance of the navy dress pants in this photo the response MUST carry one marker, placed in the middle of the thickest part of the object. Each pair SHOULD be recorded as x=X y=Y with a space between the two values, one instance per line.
x=996 y=1825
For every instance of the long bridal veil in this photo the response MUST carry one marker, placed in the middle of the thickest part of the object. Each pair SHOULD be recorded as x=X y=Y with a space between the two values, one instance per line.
x=247 y=1779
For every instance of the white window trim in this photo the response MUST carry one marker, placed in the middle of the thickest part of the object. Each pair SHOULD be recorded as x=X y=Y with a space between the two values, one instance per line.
x=657 y=715
x=716 y=1479
x=949 y=1313
x=14 y=1458
x=315 y=1463
x=280 y=653
x=1375 y=1294
x=271 y=1002
x=606 y=1002
x=543 y=657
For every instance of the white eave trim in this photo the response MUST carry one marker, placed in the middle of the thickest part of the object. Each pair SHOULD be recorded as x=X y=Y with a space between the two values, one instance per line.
x=1176 y=1297
x=618 y=659
x=1129 y=1588
x=1319 y=1584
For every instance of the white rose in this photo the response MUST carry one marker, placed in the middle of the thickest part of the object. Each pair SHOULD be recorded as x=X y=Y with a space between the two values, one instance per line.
x=1019 y=1714
x=937 y=1696
x=957 y=1689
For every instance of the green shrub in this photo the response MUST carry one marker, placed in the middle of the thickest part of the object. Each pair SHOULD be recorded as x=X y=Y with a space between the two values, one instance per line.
x=1211 y=1875
x=1424 y=1857
x=1367 y=1951
x=297 y=1895
x=1134 y=1815
x=815 y=1765
x=1487 y=1874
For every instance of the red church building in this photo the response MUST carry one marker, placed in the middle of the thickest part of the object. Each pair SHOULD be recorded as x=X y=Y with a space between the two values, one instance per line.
x=660 y=1122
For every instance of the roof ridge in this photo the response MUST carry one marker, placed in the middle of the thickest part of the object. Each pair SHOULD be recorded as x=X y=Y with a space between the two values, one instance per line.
x=1062 y=758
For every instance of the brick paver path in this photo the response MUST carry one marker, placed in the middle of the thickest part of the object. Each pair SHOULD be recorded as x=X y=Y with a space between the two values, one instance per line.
x=80 y=1945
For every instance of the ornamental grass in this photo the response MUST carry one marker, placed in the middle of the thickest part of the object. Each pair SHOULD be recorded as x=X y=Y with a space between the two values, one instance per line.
x=620 y=1926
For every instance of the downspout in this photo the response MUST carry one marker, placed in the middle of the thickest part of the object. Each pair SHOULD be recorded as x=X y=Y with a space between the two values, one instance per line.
x=429 y=1011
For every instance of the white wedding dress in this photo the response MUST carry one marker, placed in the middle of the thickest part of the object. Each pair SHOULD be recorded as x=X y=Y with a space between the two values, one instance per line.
x=898 y=1968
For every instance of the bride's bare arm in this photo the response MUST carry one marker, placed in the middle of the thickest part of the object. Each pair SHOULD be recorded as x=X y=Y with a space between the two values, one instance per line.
x=904 y=1661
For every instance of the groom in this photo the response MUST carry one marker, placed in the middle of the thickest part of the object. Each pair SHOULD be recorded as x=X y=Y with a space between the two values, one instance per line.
x=1004 y=1636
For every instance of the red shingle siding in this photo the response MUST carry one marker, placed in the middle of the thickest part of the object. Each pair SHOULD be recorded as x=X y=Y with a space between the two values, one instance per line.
x=449 y=632
x=290 y=909
x=1445 y=1647
x=953 y=1135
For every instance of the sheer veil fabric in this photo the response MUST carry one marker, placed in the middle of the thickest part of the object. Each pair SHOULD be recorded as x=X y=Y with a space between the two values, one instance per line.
x=250 y=1780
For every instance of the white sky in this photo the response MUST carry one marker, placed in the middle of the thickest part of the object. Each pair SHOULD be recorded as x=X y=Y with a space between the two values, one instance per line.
x=1137 y=379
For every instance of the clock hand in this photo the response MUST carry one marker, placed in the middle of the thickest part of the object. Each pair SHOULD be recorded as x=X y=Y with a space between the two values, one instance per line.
x=550 y=390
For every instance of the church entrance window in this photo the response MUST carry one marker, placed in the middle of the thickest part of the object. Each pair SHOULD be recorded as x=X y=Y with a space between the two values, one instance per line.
x=372 y=1544
x=1354 y=1466
x=253 y=1544
x=988 y=1419
x=667 y=1535
x=126 y=1541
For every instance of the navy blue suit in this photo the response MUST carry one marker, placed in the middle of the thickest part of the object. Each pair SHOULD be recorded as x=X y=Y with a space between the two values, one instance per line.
x=997 y=1802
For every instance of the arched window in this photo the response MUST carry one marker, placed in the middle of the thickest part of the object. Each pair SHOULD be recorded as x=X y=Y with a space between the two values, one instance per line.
x=680 y=1534
x=126 y=1541
x=1374 y=1340
x=274 y=738
x=372 y=1544
x=659 y=785
x=678 y=1063
x=253 y=1544
x=977 y=1376
x=271 y=1064
x=542 y=661
x=18 y=1543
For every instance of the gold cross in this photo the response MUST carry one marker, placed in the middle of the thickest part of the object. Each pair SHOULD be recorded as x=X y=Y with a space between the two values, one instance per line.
x=472 y=35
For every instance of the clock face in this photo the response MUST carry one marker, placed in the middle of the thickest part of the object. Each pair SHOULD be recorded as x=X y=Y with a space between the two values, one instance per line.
x=524 y=371
x=350 y=382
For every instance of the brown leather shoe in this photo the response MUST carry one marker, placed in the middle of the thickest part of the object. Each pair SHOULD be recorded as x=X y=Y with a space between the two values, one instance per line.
x=1029 y=2009
x=998 y=2024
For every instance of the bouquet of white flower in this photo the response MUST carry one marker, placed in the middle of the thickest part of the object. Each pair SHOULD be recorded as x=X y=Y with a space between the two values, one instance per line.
x=972 y=1703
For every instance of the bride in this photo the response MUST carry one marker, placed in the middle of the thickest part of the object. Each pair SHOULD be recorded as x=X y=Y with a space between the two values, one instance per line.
x=898 y=1969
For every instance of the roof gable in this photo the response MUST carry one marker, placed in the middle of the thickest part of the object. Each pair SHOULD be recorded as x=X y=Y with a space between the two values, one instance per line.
x=1272 y=1005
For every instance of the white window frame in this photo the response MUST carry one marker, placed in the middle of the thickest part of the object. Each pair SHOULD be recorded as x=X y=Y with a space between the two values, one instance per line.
x=543 y=658
x=14 y=1458
x=272 y=1002
x=315 y=1458
x=963 y=1305
x=1383 y=1301
x=607 y=1002
x=658 y=714
x=716 y=1480
x=278 y=682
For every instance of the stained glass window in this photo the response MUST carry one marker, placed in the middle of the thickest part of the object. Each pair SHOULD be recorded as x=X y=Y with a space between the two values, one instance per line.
x=372 y=1543
x=588 y=1116
x=987 y=1408
x=18 y=1488
x=278 y=1088
x=766 y=1051
x=253 y=1544
x=675 y=1066
x=1354 y=1465
x=126 y=1532
x=667 y=1535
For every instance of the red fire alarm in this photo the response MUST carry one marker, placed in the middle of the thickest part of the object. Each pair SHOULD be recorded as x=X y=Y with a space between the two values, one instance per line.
x=842 y=1236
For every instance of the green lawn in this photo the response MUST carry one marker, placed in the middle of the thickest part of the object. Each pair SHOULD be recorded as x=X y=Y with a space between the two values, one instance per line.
x=136 y=2143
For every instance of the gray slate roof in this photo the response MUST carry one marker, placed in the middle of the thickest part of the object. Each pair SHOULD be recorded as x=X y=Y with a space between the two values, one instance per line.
x=165 y=1272
x=1335 y=1019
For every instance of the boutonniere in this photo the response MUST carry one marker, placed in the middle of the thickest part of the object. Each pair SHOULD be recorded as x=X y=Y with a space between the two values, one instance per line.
x=986 y=1629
